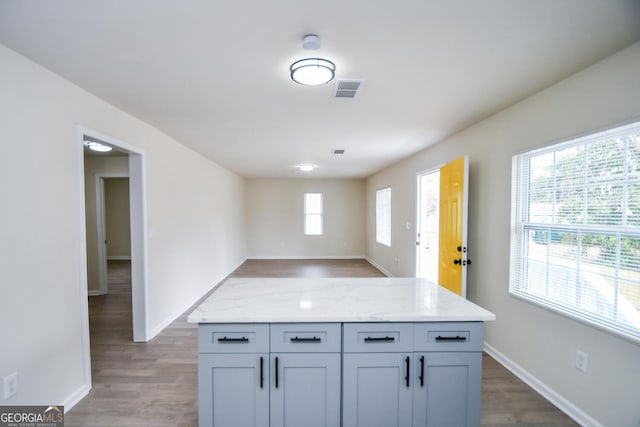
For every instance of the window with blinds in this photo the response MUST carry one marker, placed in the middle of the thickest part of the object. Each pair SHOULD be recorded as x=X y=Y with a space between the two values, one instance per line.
x=383 y=216
x=313 y=214
x=575 y=229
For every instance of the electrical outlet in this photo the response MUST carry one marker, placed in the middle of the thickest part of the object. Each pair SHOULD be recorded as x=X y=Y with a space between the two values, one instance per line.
x=10 y=385
x=581 y=360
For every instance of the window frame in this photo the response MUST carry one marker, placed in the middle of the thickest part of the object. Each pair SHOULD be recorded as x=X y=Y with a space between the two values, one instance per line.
x=588 y=292
x=383 y=212
x=308 y=215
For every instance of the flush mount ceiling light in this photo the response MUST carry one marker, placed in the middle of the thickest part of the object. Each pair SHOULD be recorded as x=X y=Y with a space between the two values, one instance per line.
x=96 y=146
x=312 y=71
x=306 y=167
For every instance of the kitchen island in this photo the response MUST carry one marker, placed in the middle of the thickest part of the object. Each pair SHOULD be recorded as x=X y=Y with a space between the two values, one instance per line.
x=338 y=352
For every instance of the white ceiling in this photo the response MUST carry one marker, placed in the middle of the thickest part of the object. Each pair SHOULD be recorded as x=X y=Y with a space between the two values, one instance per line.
x=213 y=74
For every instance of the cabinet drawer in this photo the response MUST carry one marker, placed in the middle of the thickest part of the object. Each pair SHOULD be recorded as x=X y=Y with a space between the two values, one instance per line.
x=305 y=338
x=233 y=338
x=377 y=337
x=449 y=336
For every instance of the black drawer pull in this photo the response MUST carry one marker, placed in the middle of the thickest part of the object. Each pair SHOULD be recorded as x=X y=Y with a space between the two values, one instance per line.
x=408 y=362
x=225 y=339
x=261 y=372
x=297 y=339
x=456 y=338
x=379 y=339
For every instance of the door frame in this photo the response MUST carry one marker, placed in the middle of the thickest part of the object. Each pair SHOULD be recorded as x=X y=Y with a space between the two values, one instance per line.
x=137 y=206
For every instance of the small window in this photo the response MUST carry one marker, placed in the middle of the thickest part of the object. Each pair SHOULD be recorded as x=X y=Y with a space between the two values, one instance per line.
x=383 y=216
x=575 y=233
x=313 y=214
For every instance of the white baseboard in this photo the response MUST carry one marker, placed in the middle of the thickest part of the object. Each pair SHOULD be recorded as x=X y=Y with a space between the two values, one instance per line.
x=296 y=257
x=577 y=414
x=119 y=258
x=75 y=397
x=379 y=267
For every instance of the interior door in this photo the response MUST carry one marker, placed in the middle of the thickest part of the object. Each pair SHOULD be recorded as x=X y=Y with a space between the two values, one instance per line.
x=452 y=263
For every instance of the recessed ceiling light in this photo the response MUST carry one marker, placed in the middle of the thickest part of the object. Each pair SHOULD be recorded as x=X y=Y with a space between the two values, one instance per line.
x=306 y=167
x=96 y=146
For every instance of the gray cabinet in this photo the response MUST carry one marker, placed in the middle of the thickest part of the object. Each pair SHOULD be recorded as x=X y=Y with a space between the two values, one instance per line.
x=232 y=391
x=233 y=375
x=412 y=374
x=448 y=395
x=305 y=385
x=447 y=374
x=404 y=374
x=377 y=382
x=375 y=391
x=259 y=375
x=305 y=390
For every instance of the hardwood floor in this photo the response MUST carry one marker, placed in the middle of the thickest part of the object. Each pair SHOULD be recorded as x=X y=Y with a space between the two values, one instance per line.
x=155 y=383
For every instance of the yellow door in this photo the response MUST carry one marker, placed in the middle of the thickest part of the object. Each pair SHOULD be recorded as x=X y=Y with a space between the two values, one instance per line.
x=452 y=264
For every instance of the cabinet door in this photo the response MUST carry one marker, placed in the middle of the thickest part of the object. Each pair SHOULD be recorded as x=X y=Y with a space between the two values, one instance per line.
x=305 y=390
x=376 y=390
x=233 y=390
x=448 y=395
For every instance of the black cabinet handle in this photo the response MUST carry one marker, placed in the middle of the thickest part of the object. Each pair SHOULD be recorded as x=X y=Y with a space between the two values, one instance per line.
x=261 y=372
x=234 y=340
x=421 y=371
x=276 y=372
x=408 y=362
x=297 y=339
x=379 y=339
x=456 y=338
x=457 y=261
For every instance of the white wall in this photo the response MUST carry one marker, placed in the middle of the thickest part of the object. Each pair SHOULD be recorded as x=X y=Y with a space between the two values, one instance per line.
x=275 y=218
x=541 y=342
x=195 y=224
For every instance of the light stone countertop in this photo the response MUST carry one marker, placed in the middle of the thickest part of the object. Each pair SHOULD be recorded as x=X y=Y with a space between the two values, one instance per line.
x=279 y=300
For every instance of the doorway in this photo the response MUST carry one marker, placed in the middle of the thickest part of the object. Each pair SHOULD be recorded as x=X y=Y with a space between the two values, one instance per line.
x=441 y=241
x=134 y=165
x=113 y=223
x=428 y=220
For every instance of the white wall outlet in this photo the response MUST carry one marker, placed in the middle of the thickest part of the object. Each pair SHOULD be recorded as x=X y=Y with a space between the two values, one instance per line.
x=10 y=385
x=581 y=360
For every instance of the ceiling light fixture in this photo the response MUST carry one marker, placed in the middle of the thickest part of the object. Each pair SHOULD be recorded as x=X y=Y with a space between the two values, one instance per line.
x=312 y=71
x=306 y=167
x=96 y=146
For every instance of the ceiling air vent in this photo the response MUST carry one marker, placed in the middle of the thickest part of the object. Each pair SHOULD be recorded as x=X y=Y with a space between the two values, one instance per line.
x=347 y=88
x=338 y=151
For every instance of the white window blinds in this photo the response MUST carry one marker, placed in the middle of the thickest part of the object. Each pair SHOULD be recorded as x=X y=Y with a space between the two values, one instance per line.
x=575 y=243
